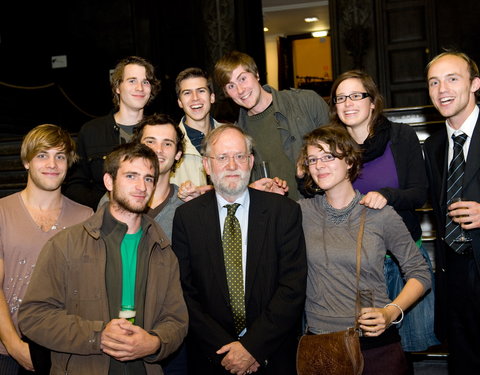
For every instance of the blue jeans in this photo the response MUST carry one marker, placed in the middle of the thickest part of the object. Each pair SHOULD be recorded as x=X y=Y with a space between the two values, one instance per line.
x=416 y=328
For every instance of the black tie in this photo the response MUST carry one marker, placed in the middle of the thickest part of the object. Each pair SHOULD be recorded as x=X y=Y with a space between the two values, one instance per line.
x=456 y=171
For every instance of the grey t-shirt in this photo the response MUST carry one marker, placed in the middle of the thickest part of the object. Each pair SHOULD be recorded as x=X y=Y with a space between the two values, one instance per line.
x=331 y=258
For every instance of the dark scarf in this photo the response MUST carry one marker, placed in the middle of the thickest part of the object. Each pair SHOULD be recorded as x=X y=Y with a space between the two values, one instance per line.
x=374 y=146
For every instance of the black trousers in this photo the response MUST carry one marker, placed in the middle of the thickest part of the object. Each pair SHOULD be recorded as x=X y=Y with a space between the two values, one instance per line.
x=463 y=314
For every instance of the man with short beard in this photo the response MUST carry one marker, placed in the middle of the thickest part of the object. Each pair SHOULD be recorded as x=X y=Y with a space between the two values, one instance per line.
x=245 y=288
x=105 y=296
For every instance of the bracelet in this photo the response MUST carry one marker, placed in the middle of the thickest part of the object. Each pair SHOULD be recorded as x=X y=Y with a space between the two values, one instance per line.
x=398 y=307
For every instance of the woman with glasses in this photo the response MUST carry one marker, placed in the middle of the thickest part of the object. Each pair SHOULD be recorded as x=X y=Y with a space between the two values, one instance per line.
x=330 y=159
x=393 y=173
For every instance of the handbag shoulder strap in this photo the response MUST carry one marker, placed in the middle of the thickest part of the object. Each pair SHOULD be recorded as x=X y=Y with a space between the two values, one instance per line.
x=359 y=263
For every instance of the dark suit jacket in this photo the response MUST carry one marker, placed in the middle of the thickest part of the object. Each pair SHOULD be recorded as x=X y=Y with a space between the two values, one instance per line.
x=436 y=159
x=275 y=277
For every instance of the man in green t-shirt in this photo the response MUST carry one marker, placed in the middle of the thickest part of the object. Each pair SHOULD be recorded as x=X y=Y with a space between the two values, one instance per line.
x=91 y=276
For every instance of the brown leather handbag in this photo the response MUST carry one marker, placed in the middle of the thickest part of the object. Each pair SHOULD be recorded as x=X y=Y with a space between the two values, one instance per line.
x=336 y=353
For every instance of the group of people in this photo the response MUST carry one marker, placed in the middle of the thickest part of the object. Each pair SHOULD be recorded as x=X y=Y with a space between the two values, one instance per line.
x=192 y=263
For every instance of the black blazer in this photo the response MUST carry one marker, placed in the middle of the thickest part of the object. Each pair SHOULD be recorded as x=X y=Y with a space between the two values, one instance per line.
x=275 y=277
x=436 y=162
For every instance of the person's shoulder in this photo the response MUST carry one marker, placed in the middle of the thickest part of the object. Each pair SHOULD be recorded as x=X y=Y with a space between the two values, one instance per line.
x=382 y=215
x=80 y=209
x=435 y=138
x=271 y=199
x=175 y=201
x=299 y=93
x=402 y=127
x=94 y=124
x=400 y=131
x=309 y=203
x=197 y=203
x=9 y=200
x=9 y=206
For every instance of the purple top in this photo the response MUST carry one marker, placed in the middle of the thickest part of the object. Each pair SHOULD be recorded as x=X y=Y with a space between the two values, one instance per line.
x=378 y=173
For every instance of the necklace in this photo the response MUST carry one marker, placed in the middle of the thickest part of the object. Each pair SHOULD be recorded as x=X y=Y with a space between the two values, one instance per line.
x=339 y=216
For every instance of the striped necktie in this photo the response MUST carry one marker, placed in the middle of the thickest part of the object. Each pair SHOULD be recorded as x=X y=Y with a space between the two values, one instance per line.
x=456 y=171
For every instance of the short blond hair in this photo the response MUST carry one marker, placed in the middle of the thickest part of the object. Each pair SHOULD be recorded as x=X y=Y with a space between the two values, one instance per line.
x=47 y=136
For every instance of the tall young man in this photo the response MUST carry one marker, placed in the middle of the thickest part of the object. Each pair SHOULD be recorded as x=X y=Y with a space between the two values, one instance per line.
x=134 y=85
x=27 y=220
x=276 y=120
x=117 y=262
x=195 y=96
x=452 y=158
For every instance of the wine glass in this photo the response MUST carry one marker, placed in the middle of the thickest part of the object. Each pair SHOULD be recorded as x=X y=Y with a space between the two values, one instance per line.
x=463 y=236
x=367 y=301
x=264 y=169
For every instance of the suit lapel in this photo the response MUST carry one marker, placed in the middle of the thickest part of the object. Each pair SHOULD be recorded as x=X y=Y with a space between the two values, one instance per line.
x=440 y=158
x=213 y=243
x=471 y=168
x=257 y=228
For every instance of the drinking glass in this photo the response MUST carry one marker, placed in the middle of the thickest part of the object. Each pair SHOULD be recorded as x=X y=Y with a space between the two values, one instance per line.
x=264 y=169
x=367 y=300
x=463 y=236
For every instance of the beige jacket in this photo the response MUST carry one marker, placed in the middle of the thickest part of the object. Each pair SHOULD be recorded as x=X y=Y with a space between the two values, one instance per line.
x=190 y=167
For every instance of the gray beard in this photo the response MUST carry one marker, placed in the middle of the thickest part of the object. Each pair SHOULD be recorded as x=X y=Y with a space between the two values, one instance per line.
x=231 y=192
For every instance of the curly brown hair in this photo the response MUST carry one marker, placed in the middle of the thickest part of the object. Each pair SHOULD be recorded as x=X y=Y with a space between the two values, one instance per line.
x=340 y=144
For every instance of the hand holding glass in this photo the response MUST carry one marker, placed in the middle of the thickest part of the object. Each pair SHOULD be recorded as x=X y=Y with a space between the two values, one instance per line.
x=463 y=236
x=367 y=300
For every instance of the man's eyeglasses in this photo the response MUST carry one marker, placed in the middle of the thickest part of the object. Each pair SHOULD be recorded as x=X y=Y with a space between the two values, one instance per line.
x=224 y=159
x=355 y=96
x=324 y=159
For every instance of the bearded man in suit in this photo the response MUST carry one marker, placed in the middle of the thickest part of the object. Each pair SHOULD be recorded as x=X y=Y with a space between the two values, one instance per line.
x=245 y=309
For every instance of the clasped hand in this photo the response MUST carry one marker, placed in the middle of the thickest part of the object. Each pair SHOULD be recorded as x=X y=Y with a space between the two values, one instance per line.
x=238 y=360
x=125 y=342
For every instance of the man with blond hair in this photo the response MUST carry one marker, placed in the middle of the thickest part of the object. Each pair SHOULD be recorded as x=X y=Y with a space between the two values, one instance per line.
x=27 y=220
x=276 y=120
x=452 y=158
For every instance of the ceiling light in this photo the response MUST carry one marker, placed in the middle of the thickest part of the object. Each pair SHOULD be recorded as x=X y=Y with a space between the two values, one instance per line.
x=265 y=29
x=320 y=34
x=311 y=19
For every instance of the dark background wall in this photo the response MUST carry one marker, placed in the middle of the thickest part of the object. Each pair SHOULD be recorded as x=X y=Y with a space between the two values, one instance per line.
x=94 y=35
x=395 y=40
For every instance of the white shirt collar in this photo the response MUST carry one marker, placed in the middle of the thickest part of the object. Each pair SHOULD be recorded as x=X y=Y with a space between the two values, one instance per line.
x=467 y=127
x=242 y=199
